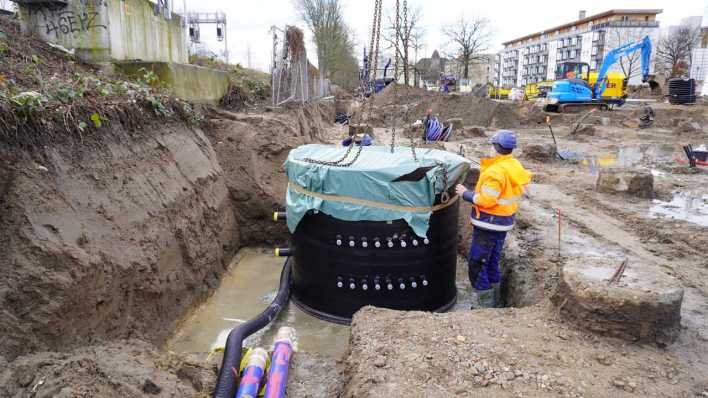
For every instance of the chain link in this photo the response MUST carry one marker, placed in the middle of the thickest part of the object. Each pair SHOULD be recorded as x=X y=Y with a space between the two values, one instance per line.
x=406 y=37
x=371 y=70
x=397 y=33
x=340 y=162
x=444 y=195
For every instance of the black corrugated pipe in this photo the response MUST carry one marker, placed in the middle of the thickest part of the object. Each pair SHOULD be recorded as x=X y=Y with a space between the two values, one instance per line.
x=227 y=383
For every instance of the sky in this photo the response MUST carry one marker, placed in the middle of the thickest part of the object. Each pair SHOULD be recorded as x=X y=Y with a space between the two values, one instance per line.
x=249 y=21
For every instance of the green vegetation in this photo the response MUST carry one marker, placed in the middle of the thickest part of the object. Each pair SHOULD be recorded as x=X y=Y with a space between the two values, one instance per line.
x=247 y=85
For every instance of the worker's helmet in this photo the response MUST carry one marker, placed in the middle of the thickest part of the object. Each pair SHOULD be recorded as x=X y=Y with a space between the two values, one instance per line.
x=505 y=138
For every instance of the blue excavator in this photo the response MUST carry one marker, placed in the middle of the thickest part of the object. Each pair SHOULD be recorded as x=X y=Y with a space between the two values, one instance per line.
x=578 y=88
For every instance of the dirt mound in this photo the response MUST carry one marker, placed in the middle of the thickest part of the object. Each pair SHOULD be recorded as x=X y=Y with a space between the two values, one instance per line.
x=413 y=103
x=251 y=149
x=501 y=353
x=119 y=369
x=400 y=94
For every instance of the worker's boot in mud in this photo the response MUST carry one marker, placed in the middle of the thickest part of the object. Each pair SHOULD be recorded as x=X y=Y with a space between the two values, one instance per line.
x=496 y=287
x=485 y=299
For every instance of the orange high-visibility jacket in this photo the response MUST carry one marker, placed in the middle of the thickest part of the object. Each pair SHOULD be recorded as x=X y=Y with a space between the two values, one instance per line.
x=501 y=185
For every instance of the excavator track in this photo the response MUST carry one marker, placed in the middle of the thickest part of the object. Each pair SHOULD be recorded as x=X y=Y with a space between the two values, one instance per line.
x=575 y=107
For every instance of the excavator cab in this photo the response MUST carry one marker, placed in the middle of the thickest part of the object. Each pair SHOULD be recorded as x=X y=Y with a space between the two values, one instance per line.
x=573 y=70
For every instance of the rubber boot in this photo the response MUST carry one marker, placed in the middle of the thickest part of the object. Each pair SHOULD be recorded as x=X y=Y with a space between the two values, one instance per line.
x=485 y=299
x=496 y=287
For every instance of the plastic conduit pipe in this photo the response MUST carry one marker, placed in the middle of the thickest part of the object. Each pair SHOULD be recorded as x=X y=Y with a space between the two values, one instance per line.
x=228 y=374
x=279 y=363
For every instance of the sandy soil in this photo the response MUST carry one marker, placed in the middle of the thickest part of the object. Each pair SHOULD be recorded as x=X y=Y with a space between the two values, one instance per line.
x=531 y=351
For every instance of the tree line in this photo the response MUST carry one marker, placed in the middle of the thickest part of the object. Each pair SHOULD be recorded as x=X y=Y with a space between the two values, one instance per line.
x=468 y=39
x=336 y=44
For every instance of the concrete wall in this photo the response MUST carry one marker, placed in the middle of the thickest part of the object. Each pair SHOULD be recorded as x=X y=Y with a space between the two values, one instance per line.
x=190 y=82
x=106 y=30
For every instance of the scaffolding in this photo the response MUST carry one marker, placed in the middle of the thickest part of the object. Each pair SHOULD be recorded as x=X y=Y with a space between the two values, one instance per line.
x=293 y=77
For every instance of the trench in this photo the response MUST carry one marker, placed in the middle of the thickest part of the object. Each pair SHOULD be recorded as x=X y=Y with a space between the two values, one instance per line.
x=251 y=283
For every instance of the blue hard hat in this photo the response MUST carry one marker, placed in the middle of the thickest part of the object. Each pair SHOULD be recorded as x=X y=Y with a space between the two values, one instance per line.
x=505 y=138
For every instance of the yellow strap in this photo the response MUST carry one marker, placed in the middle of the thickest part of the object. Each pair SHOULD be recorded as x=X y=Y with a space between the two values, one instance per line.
x=371 y=203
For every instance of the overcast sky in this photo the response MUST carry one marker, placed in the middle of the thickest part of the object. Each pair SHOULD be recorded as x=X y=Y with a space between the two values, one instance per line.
x=250 y=20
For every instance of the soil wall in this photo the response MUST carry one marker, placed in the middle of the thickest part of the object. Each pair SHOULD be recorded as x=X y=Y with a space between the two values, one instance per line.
x=109 y=239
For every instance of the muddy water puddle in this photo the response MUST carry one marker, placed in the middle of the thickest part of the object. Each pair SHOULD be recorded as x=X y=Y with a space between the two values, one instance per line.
x=245 y=291
x=690 y=206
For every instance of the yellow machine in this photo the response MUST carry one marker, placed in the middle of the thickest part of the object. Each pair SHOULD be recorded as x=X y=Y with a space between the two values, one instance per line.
x=537 y=90
x=499 y=92
x=616 y=86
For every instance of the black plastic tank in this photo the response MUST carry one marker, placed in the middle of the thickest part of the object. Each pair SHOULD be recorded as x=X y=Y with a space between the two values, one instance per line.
x=341 y=266
x=682 y=91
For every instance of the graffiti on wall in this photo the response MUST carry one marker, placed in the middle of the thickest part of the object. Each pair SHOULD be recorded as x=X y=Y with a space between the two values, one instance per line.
x=64 y=21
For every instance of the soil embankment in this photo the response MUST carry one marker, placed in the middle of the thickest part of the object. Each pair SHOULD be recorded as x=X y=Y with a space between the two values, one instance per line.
x=111 y=239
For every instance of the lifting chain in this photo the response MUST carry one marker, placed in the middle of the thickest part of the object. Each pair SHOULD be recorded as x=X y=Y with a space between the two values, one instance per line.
x=371 y=70
x=406 y=37
x=444 y=195
x=339 y=162
x=397 y=32
x=374 y=58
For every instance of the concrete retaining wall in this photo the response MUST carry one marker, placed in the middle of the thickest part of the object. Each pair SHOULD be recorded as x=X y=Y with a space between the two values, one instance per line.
x=191 y=82
x=109 y=30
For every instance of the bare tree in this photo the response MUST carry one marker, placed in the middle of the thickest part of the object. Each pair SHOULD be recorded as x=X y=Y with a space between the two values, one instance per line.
x=409 y=34
x=675 y=50
x=469 y=38
x=630 y=64
x=331 y=35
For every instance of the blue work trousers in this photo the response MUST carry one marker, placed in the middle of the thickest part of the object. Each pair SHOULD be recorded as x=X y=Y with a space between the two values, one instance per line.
x=485 y=253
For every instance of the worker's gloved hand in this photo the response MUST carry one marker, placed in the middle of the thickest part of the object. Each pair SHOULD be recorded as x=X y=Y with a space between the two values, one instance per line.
x=460 y=189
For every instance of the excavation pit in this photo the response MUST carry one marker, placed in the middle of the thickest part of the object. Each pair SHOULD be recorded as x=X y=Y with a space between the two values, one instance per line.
x=642 y=305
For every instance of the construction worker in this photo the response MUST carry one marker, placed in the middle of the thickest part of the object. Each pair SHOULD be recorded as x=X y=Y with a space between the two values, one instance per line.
x=501 y=185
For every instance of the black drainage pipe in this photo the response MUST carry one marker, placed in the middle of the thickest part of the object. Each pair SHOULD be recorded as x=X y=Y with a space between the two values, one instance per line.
x=227 y=383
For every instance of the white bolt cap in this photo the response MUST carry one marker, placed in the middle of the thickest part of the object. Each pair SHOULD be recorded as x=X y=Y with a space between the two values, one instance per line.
x=340 y=284
x=352 y=286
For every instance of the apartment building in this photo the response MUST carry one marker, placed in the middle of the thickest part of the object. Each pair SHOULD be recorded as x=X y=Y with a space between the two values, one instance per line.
x=534 y=57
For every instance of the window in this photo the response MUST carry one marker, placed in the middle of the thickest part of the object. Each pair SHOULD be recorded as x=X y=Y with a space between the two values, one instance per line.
x=624 y=18
x=646 y=18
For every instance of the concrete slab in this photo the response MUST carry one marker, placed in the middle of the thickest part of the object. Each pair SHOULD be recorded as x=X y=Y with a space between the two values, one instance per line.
x=644 y=305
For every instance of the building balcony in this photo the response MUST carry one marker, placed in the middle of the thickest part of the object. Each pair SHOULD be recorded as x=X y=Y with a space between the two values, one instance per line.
x=626 y=24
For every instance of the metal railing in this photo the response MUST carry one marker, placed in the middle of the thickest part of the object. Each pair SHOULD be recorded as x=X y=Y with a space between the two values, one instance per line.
x=626 y=24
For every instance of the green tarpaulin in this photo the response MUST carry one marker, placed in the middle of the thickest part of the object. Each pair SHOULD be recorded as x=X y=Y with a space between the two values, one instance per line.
x=384 y=186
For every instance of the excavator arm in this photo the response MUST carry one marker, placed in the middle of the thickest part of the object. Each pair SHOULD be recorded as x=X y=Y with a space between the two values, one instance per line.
x=613 y=56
